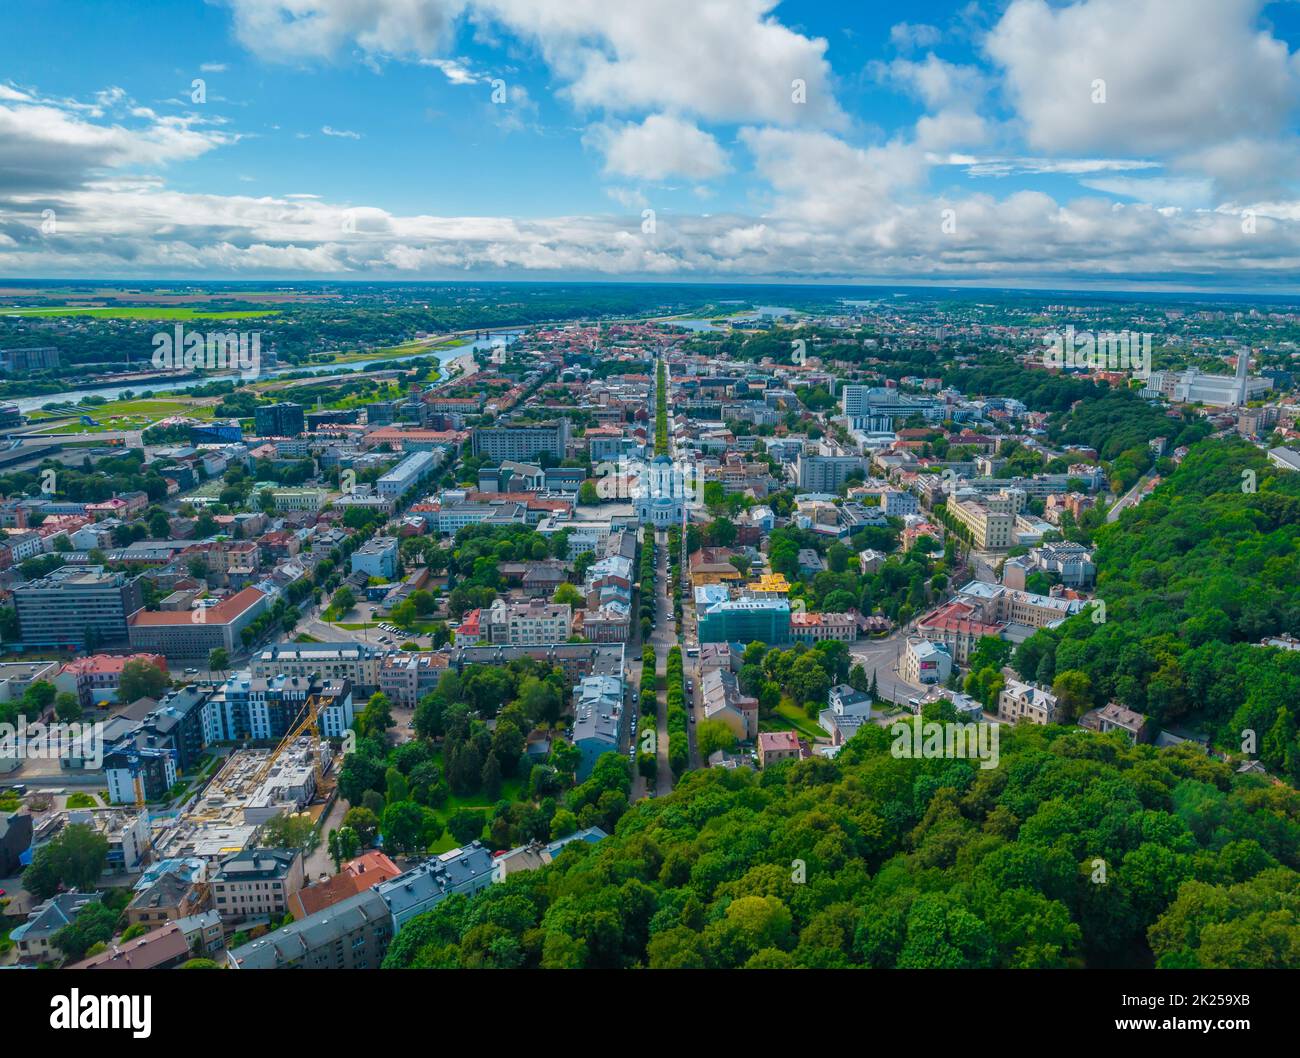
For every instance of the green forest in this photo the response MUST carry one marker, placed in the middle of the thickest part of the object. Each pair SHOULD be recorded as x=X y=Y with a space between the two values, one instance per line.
x=1192 y=579
x=1078 y=850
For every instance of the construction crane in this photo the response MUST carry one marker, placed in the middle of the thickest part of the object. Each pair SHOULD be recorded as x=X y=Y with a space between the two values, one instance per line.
x=307 y=720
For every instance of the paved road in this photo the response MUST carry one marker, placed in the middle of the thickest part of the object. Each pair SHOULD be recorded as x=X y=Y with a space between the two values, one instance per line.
x=881 y=657
x=318 y=861
x=1129 y=498
x=663 y=638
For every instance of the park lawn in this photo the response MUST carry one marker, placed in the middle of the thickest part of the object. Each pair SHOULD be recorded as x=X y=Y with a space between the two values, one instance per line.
x=790 y=716
x=444 y=844
x=420 y=628
x=148 y=409
x=140 y=313
x=511 y=790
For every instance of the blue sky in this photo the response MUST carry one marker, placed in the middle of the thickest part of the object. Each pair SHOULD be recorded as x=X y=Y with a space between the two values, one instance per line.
x=1091 y=142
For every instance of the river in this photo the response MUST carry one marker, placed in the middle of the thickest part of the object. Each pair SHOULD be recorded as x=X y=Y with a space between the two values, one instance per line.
x=444 y=355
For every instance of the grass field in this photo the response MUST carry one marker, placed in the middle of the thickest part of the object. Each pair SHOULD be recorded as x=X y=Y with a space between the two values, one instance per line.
x=123 y=414
x=790 y=716
x=142 y=312
x=512 y=789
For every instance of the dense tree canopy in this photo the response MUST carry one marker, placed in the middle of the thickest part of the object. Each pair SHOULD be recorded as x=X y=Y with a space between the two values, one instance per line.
x=1077 y=849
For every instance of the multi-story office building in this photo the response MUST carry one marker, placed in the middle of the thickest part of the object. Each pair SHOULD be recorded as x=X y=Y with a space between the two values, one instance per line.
x=376 y=558
x=925 y=662
x=305 y=499
x=746 y=620
x=958 y=625
x=279 y=420
x=77 y=608
x=1000 y=604
x=191 y=634
x=503 y=442
x=874 y=408
x=895 y=503
x=1190 y=385
x=408 y=473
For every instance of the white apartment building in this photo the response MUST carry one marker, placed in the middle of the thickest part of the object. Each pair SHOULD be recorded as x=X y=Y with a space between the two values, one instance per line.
x=533 y=623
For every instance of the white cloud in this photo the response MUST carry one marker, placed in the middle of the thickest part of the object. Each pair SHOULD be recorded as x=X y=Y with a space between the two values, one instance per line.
x=1180 y=75
x=662 y=146
x=907 y=36
x=875 y=232
x=952 y=92
x=48 y=145
x=727 y=60
x=344 y=134
x=1044 y=166
x=456 y=71
x=288 y=30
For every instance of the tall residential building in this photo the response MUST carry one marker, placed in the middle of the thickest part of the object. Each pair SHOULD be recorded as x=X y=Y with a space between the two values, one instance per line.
x=406 y=677
x=256 y=883
x=77 y=607
x=358 y=663
x=353 y=934
x=532 y=623
x=521 y=442
x=825 y=468
x=279 y=420
x=990 y=529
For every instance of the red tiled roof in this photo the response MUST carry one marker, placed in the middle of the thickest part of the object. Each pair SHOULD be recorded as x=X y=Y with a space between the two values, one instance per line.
x=224 y=612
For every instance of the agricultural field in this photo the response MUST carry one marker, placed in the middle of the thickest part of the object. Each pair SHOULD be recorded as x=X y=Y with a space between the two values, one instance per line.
x=143 y=312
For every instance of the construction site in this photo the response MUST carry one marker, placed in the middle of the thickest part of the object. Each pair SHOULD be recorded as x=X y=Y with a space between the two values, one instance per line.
x=252 y=787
